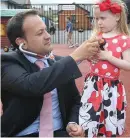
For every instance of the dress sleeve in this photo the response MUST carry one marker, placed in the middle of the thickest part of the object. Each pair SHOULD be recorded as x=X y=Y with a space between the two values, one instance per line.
x=126 y=44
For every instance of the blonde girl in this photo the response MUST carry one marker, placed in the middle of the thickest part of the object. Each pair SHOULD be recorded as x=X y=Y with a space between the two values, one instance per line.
x=103 y=103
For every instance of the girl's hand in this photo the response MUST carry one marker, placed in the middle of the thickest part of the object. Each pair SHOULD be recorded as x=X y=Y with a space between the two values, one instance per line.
x=104 y=55
x=94 y=59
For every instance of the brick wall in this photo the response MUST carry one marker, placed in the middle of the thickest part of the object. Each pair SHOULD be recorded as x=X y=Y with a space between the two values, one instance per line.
x=82 y=20
x=4 y=39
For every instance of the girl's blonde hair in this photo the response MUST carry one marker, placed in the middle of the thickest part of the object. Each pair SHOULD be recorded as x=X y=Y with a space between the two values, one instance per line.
x=122 y=24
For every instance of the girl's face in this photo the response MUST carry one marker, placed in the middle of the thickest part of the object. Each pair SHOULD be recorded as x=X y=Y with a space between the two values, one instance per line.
x=105 y=20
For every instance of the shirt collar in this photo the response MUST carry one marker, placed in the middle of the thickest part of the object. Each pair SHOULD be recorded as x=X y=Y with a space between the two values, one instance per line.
x=34 y=59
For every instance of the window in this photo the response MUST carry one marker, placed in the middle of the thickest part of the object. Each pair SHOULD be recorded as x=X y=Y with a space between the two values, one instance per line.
x=73 y=18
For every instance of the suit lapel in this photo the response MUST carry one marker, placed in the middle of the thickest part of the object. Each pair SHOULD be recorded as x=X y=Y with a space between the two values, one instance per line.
x=62 y=104
x=30 y=67
x=50 y=61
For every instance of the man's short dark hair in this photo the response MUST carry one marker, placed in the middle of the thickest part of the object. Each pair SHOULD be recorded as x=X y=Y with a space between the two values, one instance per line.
x=15 y=26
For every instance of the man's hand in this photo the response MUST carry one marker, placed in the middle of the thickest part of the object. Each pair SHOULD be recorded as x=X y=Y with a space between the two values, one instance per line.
x=87 y=49
x=74 y=130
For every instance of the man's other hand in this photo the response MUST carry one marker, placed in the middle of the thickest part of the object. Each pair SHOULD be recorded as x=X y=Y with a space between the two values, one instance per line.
x=74 y=130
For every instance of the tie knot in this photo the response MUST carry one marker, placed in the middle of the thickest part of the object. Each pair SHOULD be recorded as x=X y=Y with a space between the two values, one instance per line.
x=40 y=64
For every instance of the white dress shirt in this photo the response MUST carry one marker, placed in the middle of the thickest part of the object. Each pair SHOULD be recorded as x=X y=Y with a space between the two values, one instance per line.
x=57 y=120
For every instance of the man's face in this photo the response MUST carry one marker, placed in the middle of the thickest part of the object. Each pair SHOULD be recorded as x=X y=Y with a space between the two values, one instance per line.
x=37 y=38
x=105 y=20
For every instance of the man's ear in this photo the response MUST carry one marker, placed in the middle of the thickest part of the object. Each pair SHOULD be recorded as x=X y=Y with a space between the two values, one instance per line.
x=20 y=40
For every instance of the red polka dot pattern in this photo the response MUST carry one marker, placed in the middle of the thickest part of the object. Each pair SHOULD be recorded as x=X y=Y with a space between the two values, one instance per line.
x=116 y=45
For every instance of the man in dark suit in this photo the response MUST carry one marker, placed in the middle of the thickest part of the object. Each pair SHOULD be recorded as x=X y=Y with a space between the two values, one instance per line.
x=23 y=84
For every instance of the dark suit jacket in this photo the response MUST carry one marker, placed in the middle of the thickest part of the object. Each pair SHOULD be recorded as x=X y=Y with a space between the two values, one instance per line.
x=23 y=86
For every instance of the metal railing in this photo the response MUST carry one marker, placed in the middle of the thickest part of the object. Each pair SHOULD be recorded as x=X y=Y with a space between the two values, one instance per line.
x=54 y=16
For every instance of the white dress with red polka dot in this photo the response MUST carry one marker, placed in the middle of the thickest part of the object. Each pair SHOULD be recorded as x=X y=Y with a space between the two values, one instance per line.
x=103 y=103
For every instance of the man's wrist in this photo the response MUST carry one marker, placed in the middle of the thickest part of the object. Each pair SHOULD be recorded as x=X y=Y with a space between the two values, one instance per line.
x=74 y=58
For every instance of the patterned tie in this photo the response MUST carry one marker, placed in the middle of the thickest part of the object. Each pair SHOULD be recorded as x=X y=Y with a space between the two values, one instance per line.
x=46 y=127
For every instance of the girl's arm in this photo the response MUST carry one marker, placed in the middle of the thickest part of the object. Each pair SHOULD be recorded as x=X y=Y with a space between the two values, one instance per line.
x=120 y=63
